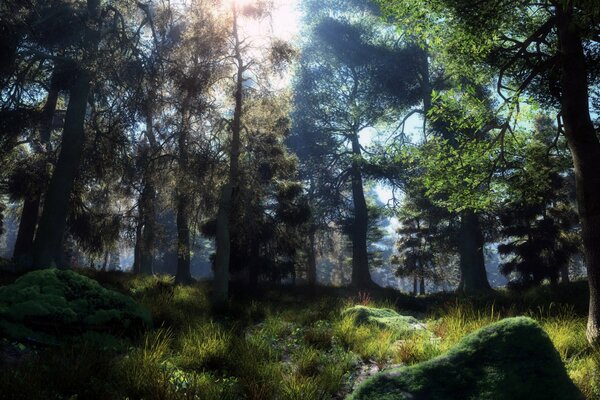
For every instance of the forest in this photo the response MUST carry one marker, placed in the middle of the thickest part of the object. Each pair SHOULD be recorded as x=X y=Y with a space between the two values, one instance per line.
x=300 y=199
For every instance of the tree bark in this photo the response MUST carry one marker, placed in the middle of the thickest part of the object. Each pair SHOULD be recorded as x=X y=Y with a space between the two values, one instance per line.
x=473 y=276
x=31 y=205
x=183 y=274
x=422 y=286
x=361 y=276
x=564 y=274
x=223 y=239
x=47 y=249
x=415 y=285
x=585 y=151
x=27 y=225
x=47 y=246
x=312 y=258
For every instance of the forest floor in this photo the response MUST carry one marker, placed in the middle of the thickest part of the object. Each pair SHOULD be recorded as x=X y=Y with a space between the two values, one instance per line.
x=285 y=343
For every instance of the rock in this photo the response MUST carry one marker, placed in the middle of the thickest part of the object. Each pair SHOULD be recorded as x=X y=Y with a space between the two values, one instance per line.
x=43 y=307
x=384 y=318
x=513 y=359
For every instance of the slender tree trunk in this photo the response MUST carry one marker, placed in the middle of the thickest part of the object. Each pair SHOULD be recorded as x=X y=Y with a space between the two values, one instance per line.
x=31 y=205
x=361 y=276
x=223 y=239
x=149 y=231
x=183 y=274
x=47 y=249
x=415 y=285
x=137 y=251
x=422 y=286
x=105 y=262
x=312 y=259
x=473 y=276
x=564 y=274
x=254 y=270
x=585 y=150
x=183 y=240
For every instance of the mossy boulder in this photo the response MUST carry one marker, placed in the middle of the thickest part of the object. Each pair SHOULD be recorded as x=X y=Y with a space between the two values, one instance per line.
x=384 y=318
x=512 y=359
x=49 y=305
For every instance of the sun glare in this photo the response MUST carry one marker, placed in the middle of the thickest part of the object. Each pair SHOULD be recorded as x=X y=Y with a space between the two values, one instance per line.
x=283 y=22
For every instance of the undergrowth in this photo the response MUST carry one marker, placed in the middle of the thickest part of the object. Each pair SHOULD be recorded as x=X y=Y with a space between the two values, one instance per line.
x=277 y=345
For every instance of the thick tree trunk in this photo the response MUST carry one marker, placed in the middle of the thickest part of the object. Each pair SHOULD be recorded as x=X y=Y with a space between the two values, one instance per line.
x=221 y=281
x=223 y=239
x=146 y=231
x=361 y=276
x=47 y=249
x=312 y=258
x=473 y=276
x=27 y=225
x=31 y=205
x=47 y=246
x=585 y=150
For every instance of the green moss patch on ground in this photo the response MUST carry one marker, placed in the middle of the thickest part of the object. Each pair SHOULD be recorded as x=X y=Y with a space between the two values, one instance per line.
x=511 y=359
x=383 y=318
x=48 y=305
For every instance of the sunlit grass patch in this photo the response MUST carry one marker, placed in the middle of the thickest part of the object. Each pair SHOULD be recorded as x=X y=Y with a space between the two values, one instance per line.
x=204 y=346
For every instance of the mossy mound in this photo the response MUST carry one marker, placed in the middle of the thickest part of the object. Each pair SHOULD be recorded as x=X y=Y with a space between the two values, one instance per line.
x=49 y=305
x=382 y=317
x=512 y=359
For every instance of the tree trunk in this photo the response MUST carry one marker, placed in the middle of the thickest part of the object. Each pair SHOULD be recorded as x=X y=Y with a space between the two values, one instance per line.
x=415 y=286
x=47 y=246
x=183 y=274
x=183 y=240
x=145 y=232
x=473 y=276
x=361 y=277
x=31 y=205
x=223 y=244
x=137 y=250
x=312 y=259
x=27 y=225
x=422 y=287
x=47 y=249
x=564 y=274
x=585 y=151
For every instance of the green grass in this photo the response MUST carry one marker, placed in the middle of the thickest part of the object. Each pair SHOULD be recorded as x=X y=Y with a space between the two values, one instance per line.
x=281 y=344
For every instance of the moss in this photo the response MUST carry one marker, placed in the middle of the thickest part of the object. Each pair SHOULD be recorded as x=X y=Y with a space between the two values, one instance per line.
x=54 y=303
x=382 y=317
x=511 y=359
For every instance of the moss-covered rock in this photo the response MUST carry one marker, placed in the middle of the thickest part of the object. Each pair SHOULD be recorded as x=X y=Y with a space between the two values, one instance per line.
x=383 y=317
x=512 y=359
x=47 y=305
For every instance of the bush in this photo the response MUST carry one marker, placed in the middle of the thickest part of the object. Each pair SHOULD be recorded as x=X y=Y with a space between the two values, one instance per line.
x=48 y=305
